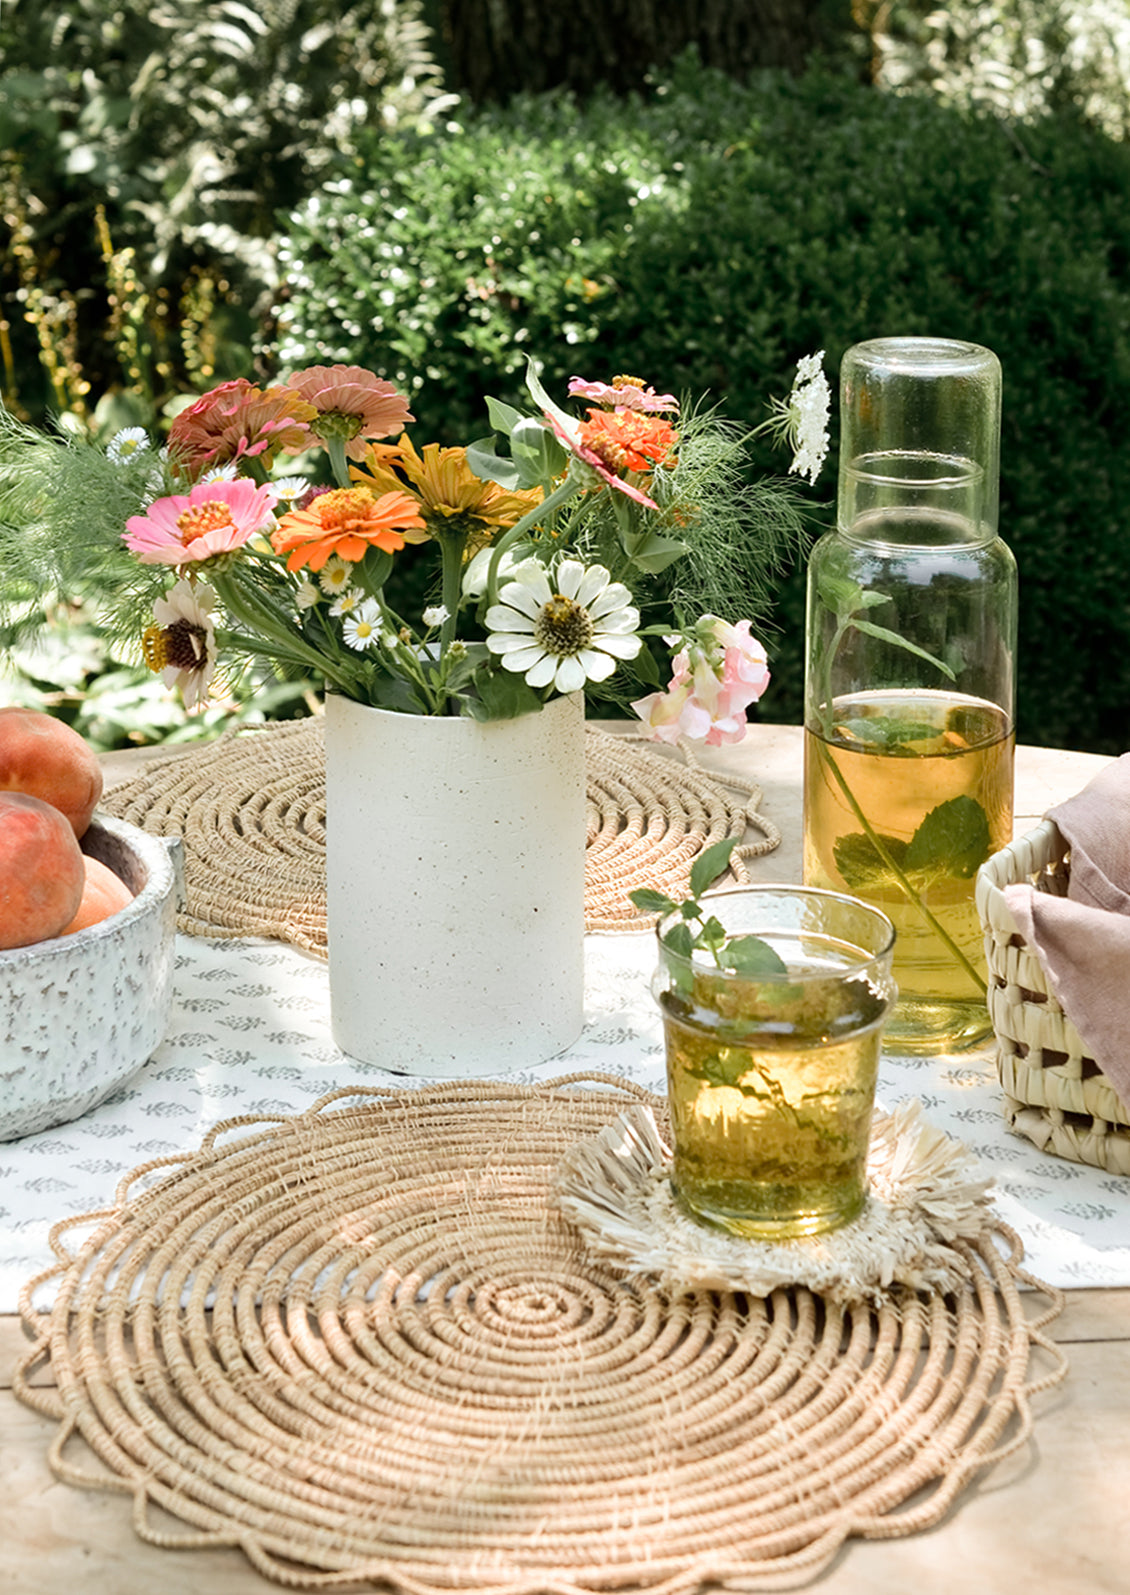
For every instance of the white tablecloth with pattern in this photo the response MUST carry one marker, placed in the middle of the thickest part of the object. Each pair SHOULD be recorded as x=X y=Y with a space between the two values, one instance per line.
x=250 y=1033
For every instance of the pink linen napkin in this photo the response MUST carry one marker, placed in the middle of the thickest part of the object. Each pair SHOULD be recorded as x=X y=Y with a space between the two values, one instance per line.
x=1083 y=940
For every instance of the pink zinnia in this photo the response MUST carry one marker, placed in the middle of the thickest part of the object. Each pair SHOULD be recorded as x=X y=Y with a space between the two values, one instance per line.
x=214 y=518
x=713 y=683
x=622 y=393
x=238 y=419
x=352 y=404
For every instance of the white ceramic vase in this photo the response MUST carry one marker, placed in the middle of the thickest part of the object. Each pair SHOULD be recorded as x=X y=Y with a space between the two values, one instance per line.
x=455 y=855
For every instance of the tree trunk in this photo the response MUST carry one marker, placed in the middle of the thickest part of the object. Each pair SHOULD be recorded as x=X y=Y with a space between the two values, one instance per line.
x=495 y=48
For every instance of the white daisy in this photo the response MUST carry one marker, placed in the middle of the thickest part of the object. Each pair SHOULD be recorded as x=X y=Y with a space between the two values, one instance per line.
x=348 y=603
x=290 y=488
x=362 y=628
x=181 y=647
x=307 y=595
x=435 y=616
x=335 y=574
x=575 y=630
x=125 y=444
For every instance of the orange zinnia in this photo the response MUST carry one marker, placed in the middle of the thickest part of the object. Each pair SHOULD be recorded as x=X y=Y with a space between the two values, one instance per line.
x=629 y=440
x=345 y=521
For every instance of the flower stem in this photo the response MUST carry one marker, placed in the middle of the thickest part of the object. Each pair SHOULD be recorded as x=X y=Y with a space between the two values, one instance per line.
x=271 y=633
x=560 y=495
x=335 y=448
x=451 y=556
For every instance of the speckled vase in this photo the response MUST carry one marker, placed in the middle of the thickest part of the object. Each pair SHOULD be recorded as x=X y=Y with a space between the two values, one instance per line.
x=455 y=857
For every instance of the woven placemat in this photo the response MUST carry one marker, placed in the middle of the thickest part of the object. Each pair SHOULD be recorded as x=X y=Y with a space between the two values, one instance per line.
x=251 y=810
x=365 y=1343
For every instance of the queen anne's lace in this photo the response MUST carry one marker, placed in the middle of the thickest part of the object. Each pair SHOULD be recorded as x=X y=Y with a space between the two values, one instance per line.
x=809 y=407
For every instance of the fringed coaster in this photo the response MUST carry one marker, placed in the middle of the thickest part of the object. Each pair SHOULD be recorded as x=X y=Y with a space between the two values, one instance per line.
x=365 y=1346
x=925 y=1216
x=251 y=810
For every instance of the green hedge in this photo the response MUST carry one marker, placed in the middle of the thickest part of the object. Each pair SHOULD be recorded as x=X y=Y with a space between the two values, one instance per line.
x=709 y=237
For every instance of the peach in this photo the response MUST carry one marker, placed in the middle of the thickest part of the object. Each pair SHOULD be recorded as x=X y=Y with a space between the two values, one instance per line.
x=41 y=870
x=45 y=758
x=103 y=894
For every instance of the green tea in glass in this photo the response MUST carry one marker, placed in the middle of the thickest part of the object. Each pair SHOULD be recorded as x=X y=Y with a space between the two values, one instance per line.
x=773 y=1001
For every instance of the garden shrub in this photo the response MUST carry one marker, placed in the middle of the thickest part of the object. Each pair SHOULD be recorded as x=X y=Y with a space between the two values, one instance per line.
x=144 y=154
x=707 y=237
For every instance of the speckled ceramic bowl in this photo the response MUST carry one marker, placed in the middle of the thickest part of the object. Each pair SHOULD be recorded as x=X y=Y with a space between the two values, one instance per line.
x=79 y=1014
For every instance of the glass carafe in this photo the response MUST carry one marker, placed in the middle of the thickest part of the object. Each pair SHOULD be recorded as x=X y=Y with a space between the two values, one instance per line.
x=909 y=693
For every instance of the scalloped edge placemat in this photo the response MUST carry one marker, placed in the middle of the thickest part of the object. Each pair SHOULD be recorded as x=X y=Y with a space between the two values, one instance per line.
x=250 y=808
x=365 y=1343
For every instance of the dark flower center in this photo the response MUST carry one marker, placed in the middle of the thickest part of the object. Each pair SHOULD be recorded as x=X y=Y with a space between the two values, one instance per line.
x=564 y=627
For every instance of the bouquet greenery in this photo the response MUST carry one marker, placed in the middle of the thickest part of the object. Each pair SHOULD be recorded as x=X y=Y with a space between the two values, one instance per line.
x=273 y=523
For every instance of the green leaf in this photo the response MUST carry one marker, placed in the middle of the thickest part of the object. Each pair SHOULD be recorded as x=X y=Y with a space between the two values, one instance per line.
x=541 y=398
x=503 y=417
x=893 y=637
x=710 y=863
x=492 y=467
x=656 y=553
x=502 y=695
x=839 y=594
x=537 y=452
x=750 y=955
x=652 y=902
x=859 y=862
x=953 y=839
x=646 y=668
x=888 y=731
x=375 y=569
x=680 y=940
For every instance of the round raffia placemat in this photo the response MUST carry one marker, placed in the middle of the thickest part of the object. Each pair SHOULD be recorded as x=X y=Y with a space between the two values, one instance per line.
x=251 y=810
x=365 y=1344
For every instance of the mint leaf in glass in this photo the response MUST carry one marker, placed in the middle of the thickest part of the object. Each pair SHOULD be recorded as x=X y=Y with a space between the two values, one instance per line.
x=953 y=839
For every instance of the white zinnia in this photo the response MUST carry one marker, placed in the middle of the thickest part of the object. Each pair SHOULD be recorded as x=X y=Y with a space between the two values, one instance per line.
x=563 y=634
x=510 y=568
x=362 y=628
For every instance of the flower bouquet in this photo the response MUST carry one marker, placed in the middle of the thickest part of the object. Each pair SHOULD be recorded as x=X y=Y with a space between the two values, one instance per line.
x=276 y=524
x=286 y=528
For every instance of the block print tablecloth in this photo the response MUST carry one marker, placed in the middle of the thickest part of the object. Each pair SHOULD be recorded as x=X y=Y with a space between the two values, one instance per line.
x=250 y=1033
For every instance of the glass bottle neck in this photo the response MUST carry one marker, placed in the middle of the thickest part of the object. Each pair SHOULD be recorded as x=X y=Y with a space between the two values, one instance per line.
x=916 y=500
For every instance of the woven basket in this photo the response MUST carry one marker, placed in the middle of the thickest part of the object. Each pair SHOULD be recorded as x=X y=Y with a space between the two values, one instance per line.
x=1055 y=1095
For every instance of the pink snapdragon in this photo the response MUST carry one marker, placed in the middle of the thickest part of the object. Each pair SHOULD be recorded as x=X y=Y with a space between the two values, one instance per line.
x=716 y=675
